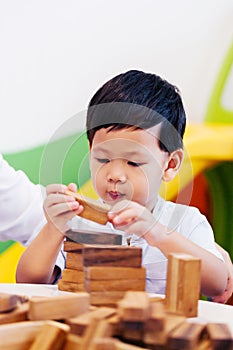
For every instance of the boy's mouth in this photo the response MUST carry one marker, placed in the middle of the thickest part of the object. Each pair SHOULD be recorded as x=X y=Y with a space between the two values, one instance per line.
x=114 y=195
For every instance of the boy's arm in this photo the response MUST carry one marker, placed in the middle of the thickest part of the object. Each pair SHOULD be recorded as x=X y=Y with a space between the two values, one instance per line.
x=37 y=263
x=225 y=296
x=133 y=218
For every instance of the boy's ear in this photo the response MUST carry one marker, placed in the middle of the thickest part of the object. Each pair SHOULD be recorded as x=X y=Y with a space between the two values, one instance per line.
x=173 y=165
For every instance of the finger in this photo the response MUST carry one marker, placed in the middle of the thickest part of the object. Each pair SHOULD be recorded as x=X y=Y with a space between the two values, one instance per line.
x=62 y=208
x=72 y=187
x=57 y=198
x=56 y=188
x=132 y=213
x=125 y=217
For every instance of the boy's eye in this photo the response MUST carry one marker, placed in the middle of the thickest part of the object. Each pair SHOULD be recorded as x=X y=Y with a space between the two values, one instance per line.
x=102 y=160
x=134 y=164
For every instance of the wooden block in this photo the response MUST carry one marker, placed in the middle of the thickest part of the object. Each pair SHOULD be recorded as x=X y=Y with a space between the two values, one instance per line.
x=52 y=336
x=104 y=344
x=114 y=344
x=220 y=336
x=159 y=340
x=204 y=344
x=183 y=284
x=135 y=306
x=20 y=313
x=112 y=256
x=72 y=342
x=155 y=324
x=74 y=276
x=186 y=336
x=70 y=287
x=132 y=331
x=116 y=325
x=93 y=210
x=117 y=285
x=113 y=272
x=87 y=237
x=58 y=307
x=108 y=298
x=80 y=323
x=8 y=302
x=20 y=335
x=70 y=246
x=123 y=346
x=74 y=261
x=96 y=329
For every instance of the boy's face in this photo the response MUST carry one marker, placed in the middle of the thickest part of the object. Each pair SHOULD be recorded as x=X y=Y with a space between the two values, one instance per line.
x=128 y=164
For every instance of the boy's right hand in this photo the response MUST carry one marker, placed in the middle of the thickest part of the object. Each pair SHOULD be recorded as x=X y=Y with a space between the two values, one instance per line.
x=59 y=208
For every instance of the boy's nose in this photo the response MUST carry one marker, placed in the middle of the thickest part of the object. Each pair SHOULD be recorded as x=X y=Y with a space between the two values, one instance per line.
x=116 y=172
x=116 y=178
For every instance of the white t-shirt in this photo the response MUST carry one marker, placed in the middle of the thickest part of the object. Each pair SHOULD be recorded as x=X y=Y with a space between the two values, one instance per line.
x=186 y=220
x=21 y=207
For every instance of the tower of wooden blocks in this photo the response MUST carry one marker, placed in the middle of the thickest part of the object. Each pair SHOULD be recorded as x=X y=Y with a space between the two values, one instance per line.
x=106 y=272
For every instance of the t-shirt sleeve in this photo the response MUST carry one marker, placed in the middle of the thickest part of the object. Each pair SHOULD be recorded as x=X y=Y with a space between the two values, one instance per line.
x=201 y=233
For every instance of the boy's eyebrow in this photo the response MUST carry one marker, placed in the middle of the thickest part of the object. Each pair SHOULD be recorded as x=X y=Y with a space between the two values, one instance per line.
x=125 y=153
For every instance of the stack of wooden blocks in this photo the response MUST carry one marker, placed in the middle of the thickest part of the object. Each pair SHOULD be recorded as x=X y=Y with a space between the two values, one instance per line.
x=106 y=272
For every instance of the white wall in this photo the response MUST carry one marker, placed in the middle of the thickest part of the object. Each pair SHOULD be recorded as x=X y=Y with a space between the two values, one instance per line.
x=56 y=53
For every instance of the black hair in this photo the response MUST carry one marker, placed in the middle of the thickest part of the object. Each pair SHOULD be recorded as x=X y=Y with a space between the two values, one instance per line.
x=138 y=100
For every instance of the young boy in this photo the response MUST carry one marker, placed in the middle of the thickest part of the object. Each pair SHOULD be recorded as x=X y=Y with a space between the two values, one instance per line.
x=135 y=125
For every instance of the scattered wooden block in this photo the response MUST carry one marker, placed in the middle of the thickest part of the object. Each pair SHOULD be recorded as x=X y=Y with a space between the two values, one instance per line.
x=79 y=324
x=8 y=302
x=51 y=336
x=108 y=298
x=183 y=284
x=186 y=336
x=72 y=342
x=104 y=344
x=132 y=331
x=114 y=285
x=220 y=336
x=96 y=329
x=135 y=306
x=155 y=324
x=74 y=261
x=114 y=344
x=112 y=256
x=71 y=287
x=74 y=276
x=159 y=340
x=18 y=314
x=58 y=307
x=19 y=335
x=123 y=346
x=93 y=210
x=113 y=272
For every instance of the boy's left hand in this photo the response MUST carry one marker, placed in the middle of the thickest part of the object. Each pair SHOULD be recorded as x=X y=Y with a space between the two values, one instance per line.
x=132 y=217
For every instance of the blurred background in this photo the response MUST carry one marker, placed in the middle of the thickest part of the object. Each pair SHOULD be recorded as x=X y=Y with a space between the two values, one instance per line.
x=55 y=54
